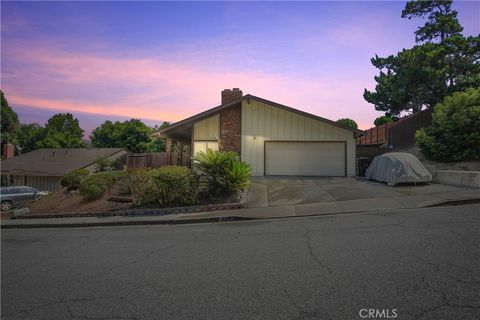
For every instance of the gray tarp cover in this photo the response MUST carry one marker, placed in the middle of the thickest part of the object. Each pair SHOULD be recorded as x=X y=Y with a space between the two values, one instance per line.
x=397 y=167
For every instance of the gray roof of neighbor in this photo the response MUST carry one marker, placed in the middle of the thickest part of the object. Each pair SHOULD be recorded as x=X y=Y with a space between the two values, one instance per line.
x=54 y=162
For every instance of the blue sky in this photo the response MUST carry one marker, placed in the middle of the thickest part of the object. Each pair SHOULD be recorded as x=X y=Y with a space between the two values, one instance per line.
x=168 y=60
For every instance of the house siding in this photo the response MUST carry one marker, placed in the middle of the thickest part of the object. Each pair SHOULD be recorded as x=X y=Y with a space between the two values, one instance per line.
x=206 y=134
x=207 y=129
x=41 y=183
x=262 y=122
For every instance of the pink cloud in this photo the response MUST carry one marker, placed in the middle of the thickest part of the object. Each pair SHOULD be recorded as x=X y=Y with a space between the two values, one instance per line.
x=165 y=89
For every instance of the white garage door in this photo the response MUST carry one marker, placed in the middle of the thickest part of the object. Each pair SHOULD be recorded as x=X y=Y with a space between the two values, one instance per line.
x=305 y=158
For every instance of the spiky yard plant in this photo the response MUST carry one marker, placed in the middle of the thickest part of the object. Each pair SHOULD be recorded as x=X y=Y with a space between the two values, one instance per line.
x=222 y=170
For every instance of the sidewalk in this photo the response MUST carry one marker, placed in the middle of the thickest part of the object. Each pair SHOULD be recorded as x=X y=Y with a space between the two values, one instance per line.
x=325 y=208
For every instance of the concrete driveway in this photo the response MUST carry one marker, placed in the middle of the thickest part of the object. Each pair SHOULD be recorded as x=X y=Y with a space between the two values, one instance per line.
x=283 y=191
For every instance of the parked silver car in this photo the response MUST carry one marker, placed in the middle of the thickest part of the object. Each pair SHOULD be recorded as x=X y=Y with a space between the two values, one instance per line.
x=11 y=197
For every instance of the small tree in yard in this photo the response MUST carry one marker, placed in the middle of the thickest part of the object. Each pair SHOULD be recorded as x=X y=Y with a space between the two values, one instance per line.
x=454 y=134
x=347 y=122
x=73 y=179
x=105 y=163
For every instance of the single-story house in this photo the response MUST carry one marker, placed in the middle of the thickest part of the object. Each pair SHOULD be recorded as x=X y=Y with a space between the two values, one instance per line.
x=43 y=168
x=273 y=138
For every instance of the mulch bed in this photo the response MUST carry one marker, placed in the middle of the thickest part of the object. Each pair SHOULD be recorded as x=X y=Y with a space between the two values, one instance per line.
x=68 y=205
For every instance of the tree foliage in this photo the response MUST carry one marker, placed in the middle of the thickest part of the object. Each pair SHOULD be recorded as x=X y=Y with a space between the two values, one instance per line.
x=443 y=62
x=133 y=135
x=441 y=22
x=347 y=122
x=61 y=131
x=454 y=134
x=30 y=137
x=383 y=119
x=9 y=120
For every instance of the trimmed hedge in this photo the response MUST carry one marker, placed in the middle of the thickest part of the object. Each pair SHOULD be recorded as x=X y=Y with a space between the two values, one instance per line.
x=72 y=180
x=95 y=185
x=165 y=186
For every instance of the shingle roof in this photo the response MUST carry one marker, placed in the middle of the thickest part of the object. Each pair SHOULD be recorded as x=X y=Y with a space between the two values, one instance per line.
x=216 y=109
x=54 y=162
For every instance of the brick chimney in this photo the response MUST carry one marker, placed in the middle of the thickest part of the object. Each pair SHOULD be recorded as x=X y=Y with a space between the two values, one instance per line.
x=231 y=95
x=8 y=150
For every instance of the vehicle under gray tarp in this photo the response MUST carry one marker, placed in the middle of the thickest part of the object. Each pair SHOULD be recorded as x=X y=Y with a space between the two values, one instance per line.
x=397 y=167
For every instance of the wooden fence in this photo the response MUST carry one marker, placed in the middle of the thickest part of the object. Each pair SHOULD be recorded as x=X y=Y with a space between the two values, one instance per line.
x=375 y=135
x=157 y=159
x=402 y=135
x=399 y=134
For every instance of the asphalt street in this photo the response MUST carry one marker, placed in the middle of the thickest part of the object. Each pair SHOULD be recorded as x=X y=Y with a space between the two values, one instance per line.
x=410 y=264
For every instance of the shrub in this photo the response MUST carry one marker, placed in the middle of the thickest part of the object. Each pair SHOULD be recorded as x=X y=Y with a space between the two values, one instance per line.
x=72 y=180
x=124 y=185
x=95 y=185
x=139 y=183
x=105 y=164
x=347 y=122
x=166 y=186
x=237 y=176
x=454 y=134
x=176 y=185
x=212 y=164
x=223 y=171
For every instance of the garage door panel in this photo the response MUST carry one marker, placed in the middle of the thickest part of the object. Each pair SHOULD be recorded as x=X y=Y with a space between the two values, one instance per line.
x=305 y=158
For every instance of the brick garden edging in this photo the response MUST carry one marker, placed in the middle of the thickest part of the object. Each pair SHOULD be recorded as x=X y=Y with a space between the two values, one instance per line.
x=146 y=211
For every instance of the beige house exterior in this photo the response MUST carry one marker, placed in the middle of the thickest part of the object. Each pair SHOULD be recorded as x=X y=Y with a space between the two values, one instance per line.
x=273 y=138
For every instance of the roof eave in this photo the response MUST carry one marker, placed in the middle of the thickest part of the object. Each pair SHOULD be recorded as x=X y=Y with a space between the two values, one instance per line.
x=200 y=116
x=207 y=113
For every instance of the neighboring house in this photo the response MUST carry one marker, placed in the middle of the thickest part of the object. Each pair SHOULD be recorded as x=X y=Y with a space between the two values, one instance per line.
x=43 y=168
x=273 y=138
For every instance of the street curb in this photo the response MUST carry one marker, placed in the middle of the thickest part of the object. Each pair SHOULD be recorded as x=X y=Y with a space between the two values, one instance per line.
x=212 y=219
x=137 y=212
x=241 y=204
x=454 y=203
x=126 y=223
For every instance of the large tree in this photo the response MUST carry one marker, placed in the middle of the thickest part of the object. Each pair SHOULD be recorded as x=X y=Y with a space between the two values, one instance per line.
x=30 y=137
x=441 y=22
x=9 y=121
x=63 y=131
x=134 y=135
x=443 y=62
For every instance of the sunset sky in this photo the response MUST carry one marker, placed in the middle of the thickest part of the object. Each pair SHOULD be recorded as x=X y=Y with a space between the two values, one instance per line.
x=169 y=60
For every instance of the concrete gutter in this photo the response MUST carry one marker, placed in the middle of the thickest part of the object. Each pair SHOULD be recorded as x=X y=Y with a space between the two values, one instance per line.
x=315 y=209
